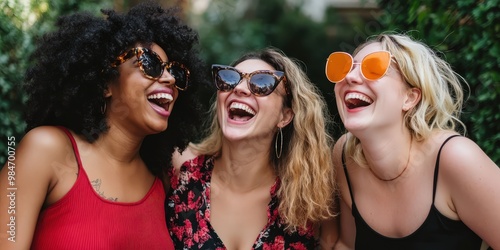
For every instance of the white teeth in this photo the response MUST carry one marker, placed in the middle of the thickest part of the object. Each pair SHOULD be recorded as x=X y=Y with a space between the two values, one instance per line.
x=167 y=97
x=358 y=96
x=246 y=108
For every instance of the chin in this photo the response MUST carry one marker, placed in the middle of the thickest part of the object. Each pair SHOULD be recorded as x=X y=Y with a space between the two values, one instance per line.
x=158 y=128
x=233 y=135
x=355 y=126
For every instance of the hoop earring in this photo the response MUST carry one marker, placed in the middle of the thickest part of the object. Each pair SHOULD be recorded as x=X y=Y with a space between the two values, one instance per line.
x=103 y=108
x=280 y=135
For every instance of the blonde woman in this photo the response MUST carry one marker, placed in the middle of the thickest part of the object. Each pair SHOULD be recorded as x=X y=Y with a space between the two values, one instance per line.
x=407 y=178
x=263 y=177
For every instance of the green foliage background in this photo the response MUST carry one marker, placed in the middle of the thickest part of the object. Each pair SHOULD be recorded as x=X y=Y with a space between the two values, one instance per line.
x=466 y=31
x=229 y=29
x=468 y=34
x=21 y=23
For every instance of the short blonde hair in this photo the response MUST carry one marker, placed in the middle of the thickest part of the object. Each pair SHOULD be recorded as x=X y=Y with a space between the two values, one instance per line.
x=441 y=90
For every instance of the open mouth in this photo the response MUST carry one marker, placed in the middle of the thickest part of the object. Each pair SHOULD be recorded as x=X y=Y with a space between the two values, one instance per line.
x=357 y=100
x=240 y=112
x=161 y=100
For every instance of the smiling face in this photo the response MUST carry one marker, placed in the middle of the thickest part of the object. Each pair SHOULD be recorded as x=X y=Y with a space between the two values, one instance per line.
x=243 y=115
x=139 y=104
x=366 y=104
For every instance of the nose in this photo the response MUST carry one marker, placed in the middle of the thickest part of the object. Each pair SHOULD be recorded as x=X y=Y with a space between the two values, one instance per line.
x=166 y=77
x=242 y=87
x=354 y=76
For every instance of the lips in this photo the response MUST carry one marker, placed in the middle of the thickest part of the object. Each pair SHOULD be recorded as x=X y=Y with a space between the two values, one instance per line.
x=160 y=102
x=240 y=112
x=356 y=100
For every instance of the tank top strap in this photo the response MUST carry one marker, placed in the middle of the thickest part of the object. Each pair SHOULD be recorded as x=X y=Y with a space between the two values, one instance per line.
x=436 y=167
x=344 y=166
x=75 y=147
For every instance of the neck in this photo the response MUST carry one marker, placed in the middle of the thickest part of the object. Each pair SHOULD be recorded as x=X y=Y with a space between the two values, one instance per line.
x=119 y=146
x=243 y=169
x=386 y=160
x=404 y=169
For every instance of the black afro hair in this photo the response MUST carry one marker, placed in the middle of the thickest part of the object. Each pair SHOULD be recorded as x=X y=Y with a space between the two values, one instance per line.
x=72 y=68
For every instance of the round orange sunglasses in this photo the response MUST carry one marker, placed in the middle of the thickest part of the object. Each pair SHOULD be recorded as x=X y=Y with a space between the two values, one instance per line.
x=373 y=66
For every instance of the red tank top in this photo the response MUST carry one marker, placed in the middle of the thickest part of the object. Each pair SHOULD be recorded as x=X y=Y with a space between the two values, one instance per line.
x=84 y=220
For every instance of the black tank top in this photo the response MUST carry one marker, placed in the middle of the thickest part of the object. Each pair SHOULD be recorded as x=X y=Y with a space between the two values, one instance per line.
x=437 y=231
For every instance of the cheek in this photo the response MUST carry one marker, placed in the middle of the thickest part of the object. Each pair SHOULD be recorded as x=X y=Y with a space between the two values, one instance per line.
x=221 y=98
x=281 y=90
x=394 y=93
x=273 y=109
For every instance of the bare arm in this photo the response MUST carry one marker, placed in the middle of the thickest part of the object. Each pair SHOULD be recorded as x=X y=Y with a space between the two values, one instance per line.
x=474 y=183
x=347 y=228
x=329 y=232
x=25 y=181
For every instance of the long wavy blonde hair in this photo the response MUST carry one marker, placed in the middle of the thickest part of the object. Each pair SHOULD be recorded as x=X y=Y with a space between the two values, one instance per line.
x=442 y=95
x=305 y=167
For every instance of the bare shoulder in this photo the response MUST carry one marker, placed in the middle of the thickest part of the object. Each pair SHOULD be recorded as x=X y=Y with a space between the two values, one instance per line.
x=472 y=180
x=40 y=150
x=463 y=164
x=45 y=134
x=33 y=175
x=45 y=143
x=460 y=154
x=179 y=158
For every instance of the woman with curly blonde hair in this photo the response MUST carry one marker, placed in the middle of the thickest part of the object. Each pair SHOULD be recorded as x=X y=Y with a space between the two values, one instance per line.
x=263 y=176
x=407 y=178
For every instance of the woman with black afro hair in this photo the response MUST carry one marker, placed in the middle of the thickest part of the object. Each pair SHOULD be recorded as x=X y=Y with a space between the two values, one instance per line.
x=101 y=129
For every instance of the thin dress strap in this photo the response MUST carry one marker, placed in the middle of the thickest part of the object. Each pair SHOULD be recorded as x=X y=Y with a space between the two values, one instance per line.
x=73 y=144
x=436 y=168
x=346 y=174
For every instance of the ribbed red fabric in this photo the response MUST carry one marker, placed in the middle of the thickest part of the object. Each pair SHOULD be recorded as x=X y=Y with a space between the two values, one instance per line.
x=84 y=220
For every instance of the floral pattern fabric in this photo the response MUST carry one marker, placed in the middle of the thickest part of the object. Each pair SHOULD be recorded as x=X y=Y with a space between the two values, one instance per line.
x=188 y=214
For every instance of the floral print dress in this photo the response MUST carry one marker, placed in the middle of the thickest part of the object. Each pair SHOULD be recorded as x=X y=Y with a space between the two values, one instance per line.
x=188 y=214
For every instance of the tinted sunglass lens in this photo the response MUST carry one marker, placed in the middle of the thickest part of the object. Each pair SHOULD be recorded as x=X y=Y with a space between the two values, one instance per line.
x=180 y=76
x=262 y=84
x=151 y=65
x=338 y=66
x=227 y=79
x=375 y=65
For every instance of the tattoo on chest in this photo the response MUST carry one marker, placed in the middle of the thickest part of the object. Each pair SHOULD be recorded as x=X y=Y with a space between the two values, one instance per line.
x=96 y=184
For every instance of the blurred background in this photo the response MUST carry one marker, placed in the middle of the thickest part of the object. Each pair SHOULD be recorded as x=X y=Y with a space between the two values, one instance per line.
x=466 y=32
